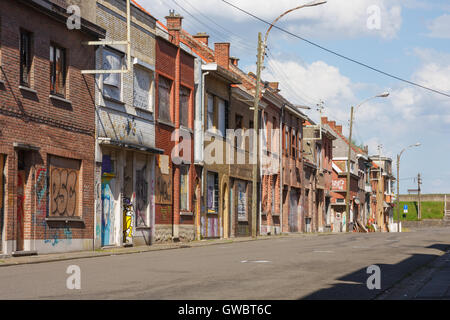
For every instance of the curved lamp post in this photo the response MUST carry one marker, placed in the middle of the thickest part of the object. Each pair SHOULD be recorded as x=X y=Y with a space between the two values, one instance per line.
x=347 y=201
x=398 y=182
x=260 y=62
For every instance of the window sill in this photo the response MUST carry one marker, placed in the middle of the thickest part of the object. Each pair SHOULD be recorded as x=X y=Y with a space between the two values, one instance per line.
x=213 y=213
x=186 y=213
x=55 y=97
x=144 y=110
x=113 y=100
x=27 y=89
x=167 y=123
x=186 y=129
x=64 y=219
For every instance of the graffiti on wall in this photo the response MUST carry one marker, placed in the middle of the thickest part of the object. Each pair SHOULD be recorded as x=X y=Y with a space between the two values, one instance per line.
x=41 y=191
x=127 y=221
x=63 y=192
x=338 y=184
x=163 y=192
x=141 y=197
x=107 y=229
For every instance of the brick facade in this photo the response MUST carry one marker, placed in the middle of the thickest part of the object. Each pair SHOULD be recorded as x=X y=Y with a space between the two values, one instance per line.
x=38 y=215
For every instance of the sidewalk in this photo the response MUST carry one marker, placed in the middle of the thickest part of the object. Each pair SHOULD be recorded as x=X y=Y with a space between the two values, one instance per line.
x=11 y=261
x=431 y=282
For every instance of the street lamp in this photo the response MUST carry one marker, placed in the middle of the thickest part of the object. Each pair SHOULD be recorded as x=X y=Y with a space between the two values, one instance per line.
x=347 y=201
x=259 y=64
x=418 y=144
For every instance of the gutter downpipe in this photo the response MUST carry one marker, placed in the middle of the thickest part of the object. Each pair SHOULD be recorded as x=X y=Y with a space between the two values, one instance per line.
x=281 y=167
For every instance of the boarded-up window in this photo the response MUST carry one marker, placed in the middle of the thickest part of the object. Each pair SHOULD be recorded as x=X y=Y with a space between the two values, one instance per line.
x=242 y=200
x=64 y=190
x=112 y=60
x=184 y=188
x=164 y=90
x=185 y=95
x=163 y=188
x=142 y=89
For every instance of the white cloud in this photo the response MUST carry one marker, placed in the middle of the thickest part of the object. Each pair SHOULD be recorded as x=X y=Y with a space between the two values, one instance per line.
x=337 y=17
x=440 y=27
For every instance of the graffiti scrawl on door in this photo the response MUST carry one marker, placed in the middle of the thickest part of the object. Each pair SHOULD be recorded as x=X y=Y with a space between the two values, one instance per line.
x=141 y=197
x=63 y=192
x=108 y=205
x=128 y=222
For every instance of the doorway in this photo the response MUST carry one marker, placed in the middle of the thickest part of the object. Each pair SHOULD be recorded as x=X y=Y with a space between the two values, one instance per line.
x=21 y=187
x=293 y=211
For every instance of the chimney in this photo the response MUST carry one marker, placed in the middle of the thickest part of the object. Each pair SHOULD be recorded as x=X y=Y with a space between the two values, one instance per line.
x=339 y=129
x=325 y=120
x=203 y=37
x=234 y=61
x=174 y=23
x=252 y=75
x=332 y=124
x=222 y=54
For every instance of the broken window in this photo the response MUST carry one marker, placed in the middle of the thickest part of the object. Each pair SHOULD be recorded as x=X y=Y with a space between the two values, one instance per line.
x=25 y=58
x=57 y=70
x=112 y=60
x=142 y=88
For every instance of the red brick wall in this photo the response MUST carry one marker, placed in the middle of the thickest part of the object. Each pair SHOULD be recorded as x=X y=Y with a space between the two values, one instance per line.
x=166 y=65
x=57 y=128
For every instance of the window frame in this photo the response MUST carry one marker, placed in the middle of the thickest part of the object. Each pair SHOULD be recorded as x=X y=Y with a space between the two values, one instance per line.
x=28 y=58
x=189 y=95
x=187 y=174
x=170 y=102
x=119 y=75
x=53 y=65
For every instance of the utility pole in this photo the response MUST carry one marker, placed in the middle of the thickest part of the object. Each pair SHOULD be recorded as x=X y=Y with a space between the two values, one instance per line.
x=398 y=192
x=347 y=202
x=255 y=132
x=419 y=211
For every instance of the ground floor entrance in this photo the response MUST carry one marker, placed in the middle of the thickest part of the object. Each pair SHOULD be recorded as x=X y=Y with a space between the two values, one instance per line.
x=127 y=198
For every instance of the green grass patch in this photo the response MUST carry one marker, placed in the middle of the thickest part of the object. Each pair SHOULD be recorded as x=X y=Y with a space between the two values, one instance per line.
x=430 y=210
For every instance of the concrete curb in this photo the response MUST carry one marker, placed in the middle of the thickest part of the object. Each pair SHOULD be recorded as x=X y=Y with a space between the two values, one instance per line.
x=14 y=261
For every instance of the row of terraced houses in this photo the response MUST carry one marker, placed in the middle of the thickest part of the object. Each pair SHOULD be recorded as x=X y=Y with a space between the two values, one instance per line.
x=161 y=151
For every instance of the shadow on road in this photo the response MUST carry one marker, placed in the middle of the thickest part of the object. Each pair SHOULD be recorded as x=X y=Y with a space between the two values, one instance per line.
x=354 y=284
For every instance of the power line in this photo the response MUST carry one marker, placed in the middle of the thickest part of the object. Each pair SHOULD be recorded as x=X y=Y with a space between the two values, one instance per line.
x=338 y=54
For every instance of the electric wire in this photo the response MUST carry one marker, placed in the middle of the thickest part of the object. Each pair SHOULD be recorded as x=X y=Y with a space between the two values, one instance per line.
x=338 y=54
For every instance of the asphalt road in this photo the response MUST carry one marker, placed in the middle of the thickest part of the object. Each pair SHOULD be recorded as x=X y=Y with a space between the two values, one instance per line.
x=295 y=267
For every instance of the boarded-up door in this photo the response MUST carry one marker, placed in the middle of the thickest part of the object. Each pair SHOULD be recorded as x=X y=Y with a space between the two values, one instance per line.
x=20 y=208
x=293 y=211
x=108 y=201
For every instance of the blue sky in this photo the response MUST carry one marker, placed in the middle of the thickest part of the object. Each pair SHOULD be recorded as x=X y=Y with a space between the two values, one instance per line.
x=412 y=43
